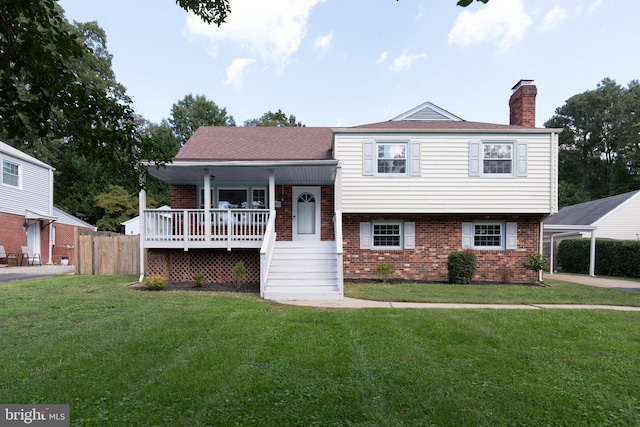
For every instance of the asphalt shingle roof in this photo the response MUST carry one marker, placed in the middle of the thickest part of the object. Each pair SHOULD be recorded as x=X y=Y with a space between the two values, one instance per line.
x=589 y=212
x=226 y=143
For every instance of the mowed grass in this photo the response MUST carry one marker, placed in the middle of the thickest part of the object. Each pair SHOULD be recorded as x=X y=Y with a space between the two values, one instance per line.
x=559 y=293
x=122 y=357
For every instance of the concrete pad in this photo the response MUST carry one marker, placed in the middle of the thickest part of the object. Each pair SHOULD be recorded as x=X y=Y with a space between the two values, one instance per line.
x=461 y=305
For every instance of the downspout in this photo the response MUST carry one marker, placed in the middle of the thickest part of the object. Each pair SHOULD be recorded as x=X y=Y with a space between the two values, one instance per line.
x=49 y=244
x=142 y=205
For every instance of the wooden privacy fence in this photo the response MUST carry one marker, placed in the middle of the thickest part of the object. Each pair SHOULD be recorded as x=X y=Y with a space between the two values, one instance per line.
x=105 y=253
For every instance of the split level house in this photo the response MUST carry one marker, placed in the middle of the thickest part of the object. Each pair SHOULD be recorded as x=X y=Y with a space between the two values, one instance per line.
x=28 y=217
x=307 y=208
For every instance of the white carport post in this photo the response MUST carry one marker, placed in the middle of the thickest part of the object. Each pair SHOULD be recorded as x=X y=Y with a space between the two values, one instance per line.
x=572 y=230
x=592 y=255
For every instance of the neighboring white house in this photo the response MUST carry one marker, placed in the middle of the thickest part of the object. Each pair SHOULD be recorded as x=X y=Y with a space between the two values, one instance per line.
x=27 y=215
x=132 y=226
x=615 y=217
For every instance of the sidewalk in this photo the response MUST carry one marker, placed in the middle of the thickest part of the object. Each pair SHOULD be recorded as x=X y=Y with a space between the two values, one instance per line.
x=594 y=281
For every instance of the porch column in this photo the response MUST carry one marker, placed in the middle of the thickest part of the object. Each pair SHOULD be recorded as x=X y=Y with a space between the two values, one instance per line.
x=142 y=205
x=337 y=188
x=207 y=205
x=272 y=191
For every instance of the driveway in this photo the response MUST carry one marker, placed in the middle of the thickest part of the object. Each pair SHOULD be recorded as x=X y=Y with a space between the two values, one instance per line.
x=627 y=285
x=8 y=274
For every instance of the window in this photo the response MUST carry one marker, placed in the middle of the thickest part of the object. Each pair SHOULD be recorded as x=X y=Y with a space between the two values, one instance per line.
x=259 y=199
x=485 y=235
x=392 y=158
x=10 y=174
x=497 y=158
x=235 y=198
x=386 y=235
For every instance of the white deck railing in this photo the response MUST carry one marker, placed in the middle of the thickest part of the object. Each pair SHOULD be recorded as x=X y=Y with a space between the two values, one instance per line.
x=192 y=228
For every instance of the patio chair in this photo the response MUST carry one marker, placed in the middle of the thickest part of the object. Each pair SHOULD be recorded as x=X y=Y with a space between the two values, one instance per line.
x=30 y=257
x=7 y=256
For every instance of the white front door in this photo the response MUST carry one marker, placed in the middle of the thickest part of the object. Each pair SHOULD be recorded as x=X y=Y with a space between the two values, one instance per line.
x=306 y=213
x=33 y=237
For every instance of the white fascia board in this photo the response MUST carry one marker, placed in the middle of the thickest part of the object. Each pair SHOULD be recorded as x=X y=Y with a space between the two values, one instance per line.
x=369 y=131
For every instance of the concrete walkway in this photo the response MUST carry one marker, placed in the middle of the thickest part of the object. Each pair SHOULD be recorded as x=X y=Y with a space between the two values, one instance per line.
x=585 y=280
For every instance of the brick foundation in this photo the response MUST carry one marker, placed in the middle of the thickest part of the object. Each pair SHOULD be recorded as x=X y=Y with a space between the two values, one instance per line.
x=436 y=237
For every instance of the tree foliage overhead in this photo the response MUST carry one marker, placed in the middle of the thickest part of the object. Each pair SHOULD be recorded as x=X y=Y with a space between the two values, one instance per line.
x=274 y=119
x=600 y=145
x=188 y=114
x=51 y=88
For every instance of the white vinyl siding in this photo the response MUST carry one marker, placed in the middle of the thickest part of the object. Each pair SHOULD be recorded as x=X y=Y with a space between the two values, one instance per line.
x=444 y=184
x=621 y=223
x=34 y=191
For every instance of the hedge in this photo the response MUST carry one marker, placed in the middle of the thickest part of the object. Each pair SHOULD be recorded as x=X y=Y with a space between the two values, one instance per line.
x=613 y=257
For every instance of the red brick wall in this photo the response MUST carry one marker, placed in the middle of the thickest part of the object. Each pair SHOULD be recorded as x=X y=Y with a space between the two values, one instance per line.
x=436 y=237
x=184 y=197
x=12 y=233
x=64 y=245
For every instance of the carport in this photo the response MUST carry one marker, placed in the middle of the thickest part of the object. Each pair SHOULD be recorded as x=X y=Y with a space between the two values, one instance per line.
x=555 y=231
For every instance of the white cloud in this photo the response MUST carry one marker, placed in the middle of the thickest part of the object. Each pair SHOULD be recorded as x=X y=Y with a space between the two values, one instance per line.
x=382 y=57
x=406 y=60
x=236 y=69
x=554 y=17
x=273 y=29
x=500 y=21
x=593 y=6
x=322 y=43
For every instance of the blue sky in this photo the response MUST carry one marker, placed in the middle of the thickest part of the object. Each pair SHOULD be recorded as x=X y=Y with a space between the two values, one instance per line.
x=344 y=63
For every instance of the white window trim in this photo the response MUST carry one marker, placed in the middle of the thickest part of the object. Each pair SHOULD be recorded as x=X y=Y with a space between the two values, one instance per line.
x=388 y=248
x=489 y=248
x=407 y=158
x=2 y=162
x=513 y=159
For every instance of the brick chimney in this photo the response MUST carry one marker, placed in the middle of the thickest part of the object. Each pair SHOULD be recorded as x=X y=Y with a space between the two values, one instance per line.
x=522 y=104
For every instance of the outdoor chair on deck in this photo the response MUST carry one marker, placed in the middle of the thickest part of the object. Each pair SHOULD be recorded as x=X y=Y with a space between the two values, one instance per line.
x=31 y=258
x=7 y=256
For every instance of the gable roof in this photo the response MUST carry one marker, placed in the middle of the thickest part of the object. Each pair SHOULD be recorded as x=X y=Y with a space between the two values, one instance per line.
x=66 y=218
x=226 y=143
x=445 y=125
x=427 y=111
x=589 y=213
x=14 y=152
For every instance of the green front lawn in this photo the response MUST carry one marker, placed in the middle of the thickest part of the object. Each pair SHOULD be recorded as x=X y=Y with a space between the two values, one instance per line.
x=558 y=293
x=121 y=357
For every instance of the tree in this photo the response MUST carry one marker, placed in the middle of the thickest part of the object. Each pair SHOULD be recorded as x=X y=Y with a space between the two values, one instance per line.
x=45 y=96
x=599 y=143
x=274 y=119
x=118 y=205
x=192 y=112
x=216 y=11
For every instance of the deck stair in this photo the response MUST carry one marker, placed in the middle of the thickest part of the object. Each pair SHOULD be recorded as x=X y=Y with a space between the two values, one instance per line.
x=303 y=271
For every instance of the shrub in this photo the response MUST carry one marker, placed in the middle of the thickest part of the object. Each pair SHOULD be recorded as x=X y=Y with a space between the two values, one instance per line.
x=462 y=267
x=239 y=270
x=155 y=282
x=536 y=263
x=384 y=270
x=199 y=279
x=613 y=257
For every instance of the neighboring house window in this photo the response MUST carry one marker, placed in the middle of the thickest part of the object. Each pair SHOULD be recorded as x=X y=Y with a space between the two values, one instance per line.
x=484 y=235
x=10 y=174
x=391 y=158
x=385 y=235
x=498 y=159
